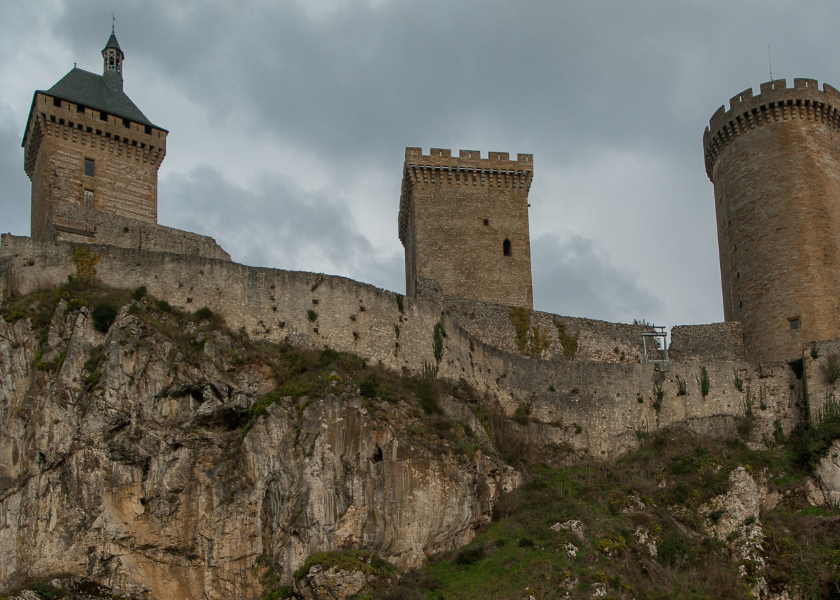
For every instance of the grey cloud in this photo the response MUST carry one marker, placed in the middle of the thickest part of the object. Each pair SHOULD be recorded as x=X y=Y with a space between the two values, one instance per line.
x=573 y=276
x=277 y=225
x=362 y=82
x=14 y=187
x=571 y=82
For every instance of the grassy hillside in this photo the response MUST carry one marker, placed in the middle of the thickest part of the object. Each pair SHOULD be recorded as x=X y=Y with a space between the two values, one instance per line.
x=656 y=492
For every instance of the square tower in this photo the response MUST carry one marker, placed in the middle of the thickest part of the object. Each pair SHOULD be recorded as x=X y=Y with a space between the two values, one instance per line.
x=464 y=224
x=88 y=148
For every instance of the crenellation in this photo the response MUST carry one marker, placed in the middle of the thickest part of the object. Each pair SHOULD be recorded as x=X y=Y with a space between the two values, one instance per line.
x=739 y=99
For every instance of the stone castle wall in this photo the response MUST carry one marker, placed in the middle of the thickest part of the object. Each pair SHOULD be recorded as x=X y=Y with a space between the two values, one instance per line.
x=126 y=158
x=712 y=342
x=455 y=215
x=599 y=408
x=775 y=163
x=87 y=225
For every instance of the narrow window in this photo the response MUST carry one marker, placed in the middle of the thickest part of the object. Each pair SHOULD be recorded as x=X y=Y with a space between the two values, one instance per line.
x=148 y=130
x=740 y=305
x=89 y=198
x=57 y=102
x=126 y=123
x=738 y=275
x=89 y=167
x=103 y=116
x=793 y=323
x=506 y=247
x=486 y=222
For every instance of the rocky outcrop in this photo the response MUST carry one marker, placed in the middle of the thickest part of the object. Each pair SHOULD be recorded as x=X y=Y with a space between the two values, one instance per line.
x=828 y=474
x=125 y=462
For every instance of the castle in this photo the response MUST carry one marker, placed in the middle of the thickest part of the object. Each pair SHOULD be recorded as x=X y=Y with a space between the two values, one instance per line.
x=93 y=158
x=571 y=387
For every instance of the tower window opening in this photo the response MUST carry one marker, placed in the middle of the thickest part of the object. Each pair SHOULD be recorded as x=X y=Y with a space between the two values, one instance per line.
x=486 y=222
x=126 y=123
x=738 y=275
x=89 y=170
x=148 y=130
x=506 y=248
x=103 y=116
x=793 y=323
x=80 y=109
x=89 y=201
x=57 y=102
x=740 y=304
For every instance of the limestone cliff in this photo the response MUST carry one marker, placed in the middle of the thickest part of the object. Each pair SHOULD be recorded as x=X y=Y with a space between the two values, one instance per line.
x=140 y=463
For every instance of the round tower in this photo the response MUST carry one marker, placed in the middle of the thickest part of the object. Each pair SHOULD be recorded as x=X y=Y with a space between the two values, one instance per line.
x=774 y=160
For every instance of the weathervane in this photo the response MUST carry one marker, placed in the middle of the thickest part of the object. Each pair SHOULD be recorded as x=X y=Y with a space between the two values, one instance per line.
x=114 y=19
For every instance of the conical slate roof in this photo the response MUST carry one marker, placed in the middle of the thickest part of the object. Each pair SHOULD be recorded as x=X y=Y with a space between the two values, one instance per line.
x=113 y=43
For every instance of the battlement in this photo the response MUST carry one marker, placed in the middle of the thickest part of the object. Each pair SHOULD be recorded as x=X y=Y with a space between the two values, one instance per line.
x=775 y=102
x=62 y=119
x=466 y=159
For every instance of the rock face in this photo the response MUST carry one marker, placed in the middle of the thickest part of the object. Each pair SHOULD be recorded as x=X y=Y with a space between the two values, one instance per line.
x=330 y=582
x=828 y=473
x=140 y=478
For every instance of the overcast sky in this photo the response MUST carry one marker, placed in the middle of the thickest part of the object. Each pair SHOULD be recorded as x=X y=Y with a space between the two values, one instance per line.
x=289 y=120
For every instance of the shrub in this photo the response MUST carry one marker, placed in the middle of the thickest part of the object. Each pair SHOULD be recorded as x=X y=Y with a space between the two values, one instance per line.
x=739 y=381
x=682 y=387
x=104 y=315
x=369 y=388
x=705 y=383
x=522 y=414
x=468 y=556
x=400 y=305
x=568 y=342
x=526 y=542
x=673 y=550
x=439 y=334
x=163 y=306
x=831 y=368
x=202 y=314
x=311 y=315
x=427 y=390
x=139 y=293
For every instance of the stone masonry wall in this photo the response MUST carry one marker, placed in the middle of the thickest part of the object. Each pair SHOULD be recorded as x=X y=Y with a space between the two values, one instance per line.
x=87 y=225
x=775 y=163
x=598 y=408
x=596 y=340
x=715 y=341
x=126 y=160
x=456 y=214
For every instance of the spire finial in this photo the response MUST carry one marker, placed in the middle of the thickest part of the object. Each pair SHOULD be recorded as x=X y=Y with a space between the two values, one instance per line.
x=113 y=24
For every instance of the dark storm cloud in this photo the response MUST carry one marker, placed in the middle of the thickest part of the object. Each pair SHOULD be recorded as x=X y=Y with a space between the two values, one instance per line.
x=573 y=276
x=278 y=224
x=362 y=82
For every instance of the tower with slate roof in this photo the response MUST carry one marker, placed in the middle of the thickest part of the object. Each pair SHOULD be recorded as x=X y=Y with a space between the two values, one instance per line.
x=90 y=152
